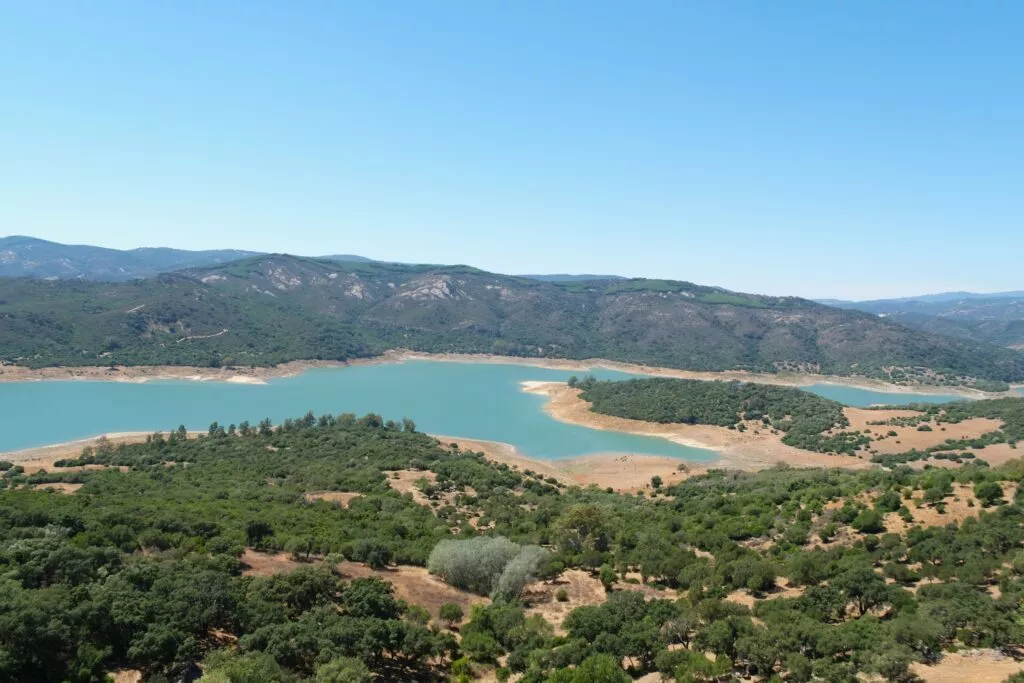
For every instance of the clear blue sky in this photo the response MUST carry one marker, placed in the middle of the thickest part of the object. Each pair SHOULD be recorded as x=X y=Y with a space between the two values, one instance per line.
x=849 y=149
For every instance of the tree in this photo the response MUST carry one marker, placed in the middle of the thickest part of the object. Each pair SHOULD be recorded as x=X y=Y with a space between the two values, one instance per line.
x=988 y=492
x=343 y=670
x=868 y=522
x=600 y=668
x=225 y=666
x=582 y=527
x=256 y=531
x=894 y=664
x=656 y=482
x=451 y=614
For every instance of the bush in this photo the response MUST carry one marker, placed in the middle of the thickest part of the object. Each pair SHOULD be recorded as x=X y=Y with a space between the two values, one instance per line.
x=988 y=492
x=495 y=566
x=451 y=614
x=562 y=595
x=868 y=522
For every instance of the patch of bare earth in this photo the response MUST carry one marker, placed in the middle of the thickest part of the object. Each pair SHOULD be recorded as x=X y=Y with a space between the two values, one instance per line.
x=343 y=498
x=977 y=666
x=412 y=584
x=909 y=438
x=416 y=586
x=404 y=481
x=957 y=507
x=782 y=590
x=267 y=564
x=125 y=676
x=59 y=487
x=580 y=589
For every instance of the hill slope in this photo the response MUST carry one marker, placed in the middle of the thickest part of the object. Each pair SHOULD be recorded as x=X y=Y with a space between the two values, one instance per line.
x=268 y=309
x=31 y=257
x=992 y=318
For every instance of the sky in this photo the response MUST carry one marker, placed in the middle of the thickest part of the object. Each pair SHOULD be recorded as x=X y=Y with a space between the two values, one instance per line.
x=841 y=149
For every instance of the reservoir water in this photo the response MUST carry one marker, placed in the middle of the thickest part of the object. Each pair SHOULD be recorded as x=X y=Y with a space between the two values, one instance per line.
x=472 y=400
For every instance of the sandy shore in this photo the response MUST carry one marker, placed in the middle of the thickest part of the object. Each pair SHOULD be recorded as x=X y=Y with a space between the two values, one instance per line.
x=623 y=473
x=738 y=450
x=143 y=373
x=44 y=456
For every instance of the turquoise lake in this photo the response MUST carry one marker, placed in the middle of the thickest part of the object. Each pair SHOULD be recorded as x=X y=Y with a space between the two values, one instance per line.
x=472 y=400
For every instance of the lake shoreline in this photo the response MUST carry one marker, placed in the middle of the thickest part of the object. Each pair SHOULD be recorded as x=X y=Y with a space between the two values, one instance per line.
x=145 y=373
x=751 y=450
x=626 y=473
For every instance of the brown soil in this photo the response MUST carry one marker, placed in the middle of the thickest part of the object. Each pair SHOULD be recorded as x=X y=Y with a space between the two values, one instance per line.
x=581 y=587
x=404 y=481
x=416 y=586
x=59 y=487
x=125 y=676
x=341 y=497
x=412 y=584
x=738 y=450
x=783 y=590
x=265 y=564
x=145 y=373
x=44 y=456
x=956 y=505
x=908 y=438
x=623 y=473
x=977 y=666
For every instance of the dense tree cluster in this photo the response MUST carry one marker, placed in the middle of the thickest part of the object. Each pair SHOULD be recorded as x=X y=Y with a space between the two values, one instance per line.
x=804 y=417
x=141 y=568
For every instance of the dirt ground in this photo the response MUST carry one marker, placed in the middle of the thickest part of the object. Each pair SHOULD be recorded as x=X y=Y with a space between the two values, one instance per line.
x=404 y=481
x=581 y=587
x=126 y=676
x=35 y=459
x=412 y=584
x=266 y=564
x=976 y=666
x=416 y=586
x=59 y=487
x=341 y=497
x=908 y=438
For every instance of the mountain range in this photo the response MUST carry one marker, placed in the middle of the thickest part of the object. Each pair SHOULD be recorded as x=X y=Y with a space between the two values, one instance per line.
x=266 y=309
x=996 y=318
x=22 y=256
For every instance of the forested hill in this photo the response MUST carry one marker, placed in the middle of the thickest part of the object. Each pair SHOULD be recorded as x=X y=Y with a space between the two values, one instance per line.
x=147 y=562
x=268 y=309
x=993 y=318
x=31 y=257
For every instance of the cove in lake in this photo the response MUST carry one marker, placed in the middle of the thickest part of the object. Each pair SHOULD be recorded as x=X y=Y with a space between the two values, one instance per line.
x=862 y=398
x=471 y=400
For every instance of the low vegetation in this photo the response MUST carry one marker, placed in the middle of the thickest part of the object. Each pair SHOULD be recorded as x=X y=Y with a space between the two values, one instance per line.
x=142 y=567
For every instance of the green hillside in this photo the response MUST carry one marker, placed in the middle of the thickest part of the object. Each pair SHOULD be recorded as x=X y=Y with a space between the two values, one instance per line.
x=269 y=309
x=144 y=566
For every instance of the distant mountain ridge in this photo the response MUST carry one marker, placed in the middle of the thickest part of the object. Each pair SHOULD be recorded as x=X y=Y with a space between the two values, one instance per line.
x=996 y=318
x=22 y=256
x=566 y=277
x=272 y=308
